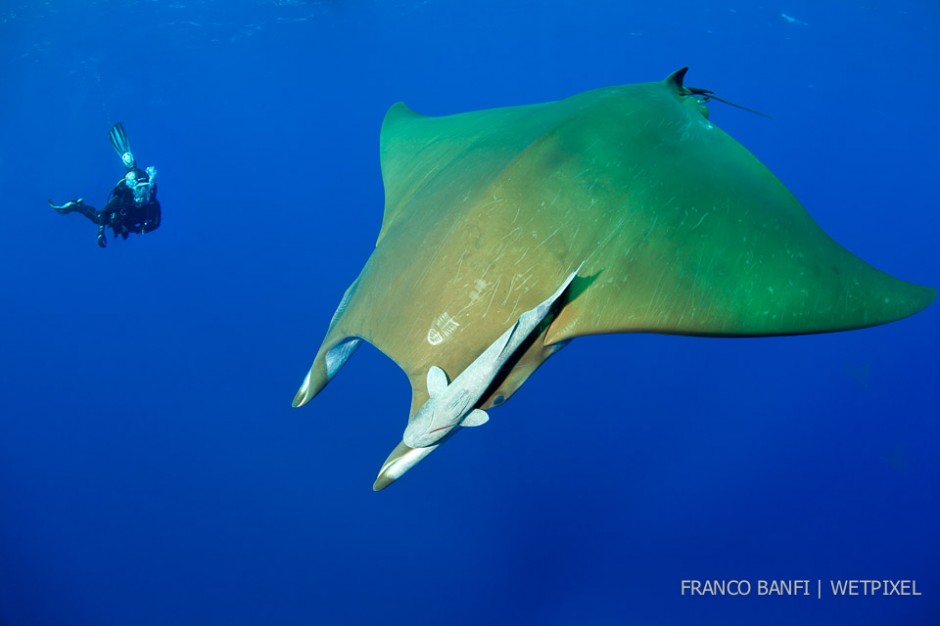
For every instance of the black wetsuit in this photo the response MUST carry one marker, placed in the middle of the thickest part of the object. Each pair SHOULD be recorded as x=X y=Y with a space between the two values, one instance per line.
x=122 y=213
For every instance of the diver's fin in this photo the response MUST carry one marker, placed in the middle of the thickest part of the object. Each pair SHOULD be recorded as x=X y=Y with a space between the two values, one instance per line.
x=119 y=140
x=437 y=381
x=68 y=207
x=477 y=417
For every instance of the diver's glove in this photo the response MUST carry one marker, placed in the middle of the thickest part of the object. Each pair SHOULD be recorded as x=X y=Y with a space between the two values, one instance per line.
x=102 y=242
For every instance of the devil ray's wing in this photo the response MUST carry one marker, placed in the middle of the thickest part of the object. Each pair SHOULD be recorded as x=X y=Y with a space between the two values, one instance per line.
x=680 y=228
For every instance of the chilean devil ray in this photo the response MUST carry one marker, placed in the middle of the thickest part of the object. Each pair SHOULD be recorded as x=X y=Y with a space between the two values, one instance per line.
x=509 y=232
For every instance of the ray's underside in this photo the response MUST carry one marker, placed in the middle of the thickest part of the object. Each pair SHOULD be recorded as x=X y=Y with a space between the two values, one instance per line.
x=680 y=229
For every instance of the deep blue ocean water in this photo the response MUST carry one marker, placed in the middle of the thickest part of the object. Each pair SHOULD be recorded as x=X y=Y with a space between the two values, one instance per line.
x=152 y=471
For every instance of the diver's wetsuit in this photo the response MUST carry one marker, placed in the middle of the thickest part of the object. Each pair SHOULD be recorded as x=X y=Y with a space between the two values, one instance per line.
x=121 y=213
x=132 y=206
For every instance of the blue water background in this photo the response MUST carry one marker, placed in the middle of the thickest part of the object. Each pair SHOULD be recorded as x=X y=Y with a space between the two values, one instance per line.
x=152 y=471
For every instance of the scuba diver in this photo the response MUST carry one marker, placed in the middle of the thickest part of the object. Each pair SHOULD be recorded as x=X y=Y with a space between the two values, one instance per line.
x=132 y=206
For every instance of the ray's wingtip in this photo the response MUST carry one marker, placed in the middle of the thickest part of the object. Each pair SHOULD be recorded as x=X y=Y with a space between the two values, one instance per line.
x=391 y=471
x=399 y=461
x=300 y=398
x=930 y=294
x=303 y=395
x=910 y=300
x=382 y=481
x=927 y=297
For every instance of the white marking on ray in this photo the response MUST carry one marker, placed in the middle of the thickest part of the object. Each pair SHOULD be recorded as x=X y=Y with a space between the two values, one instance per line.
x=513 y=287
x=492 y=296
x=479 y=286
x=545 y=241
x=442 y=327
x=701 y=219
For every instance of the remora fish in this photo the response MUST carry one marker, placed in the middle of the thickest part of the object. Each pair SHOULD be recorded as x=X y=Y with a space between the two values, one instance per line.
x=453 y=404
